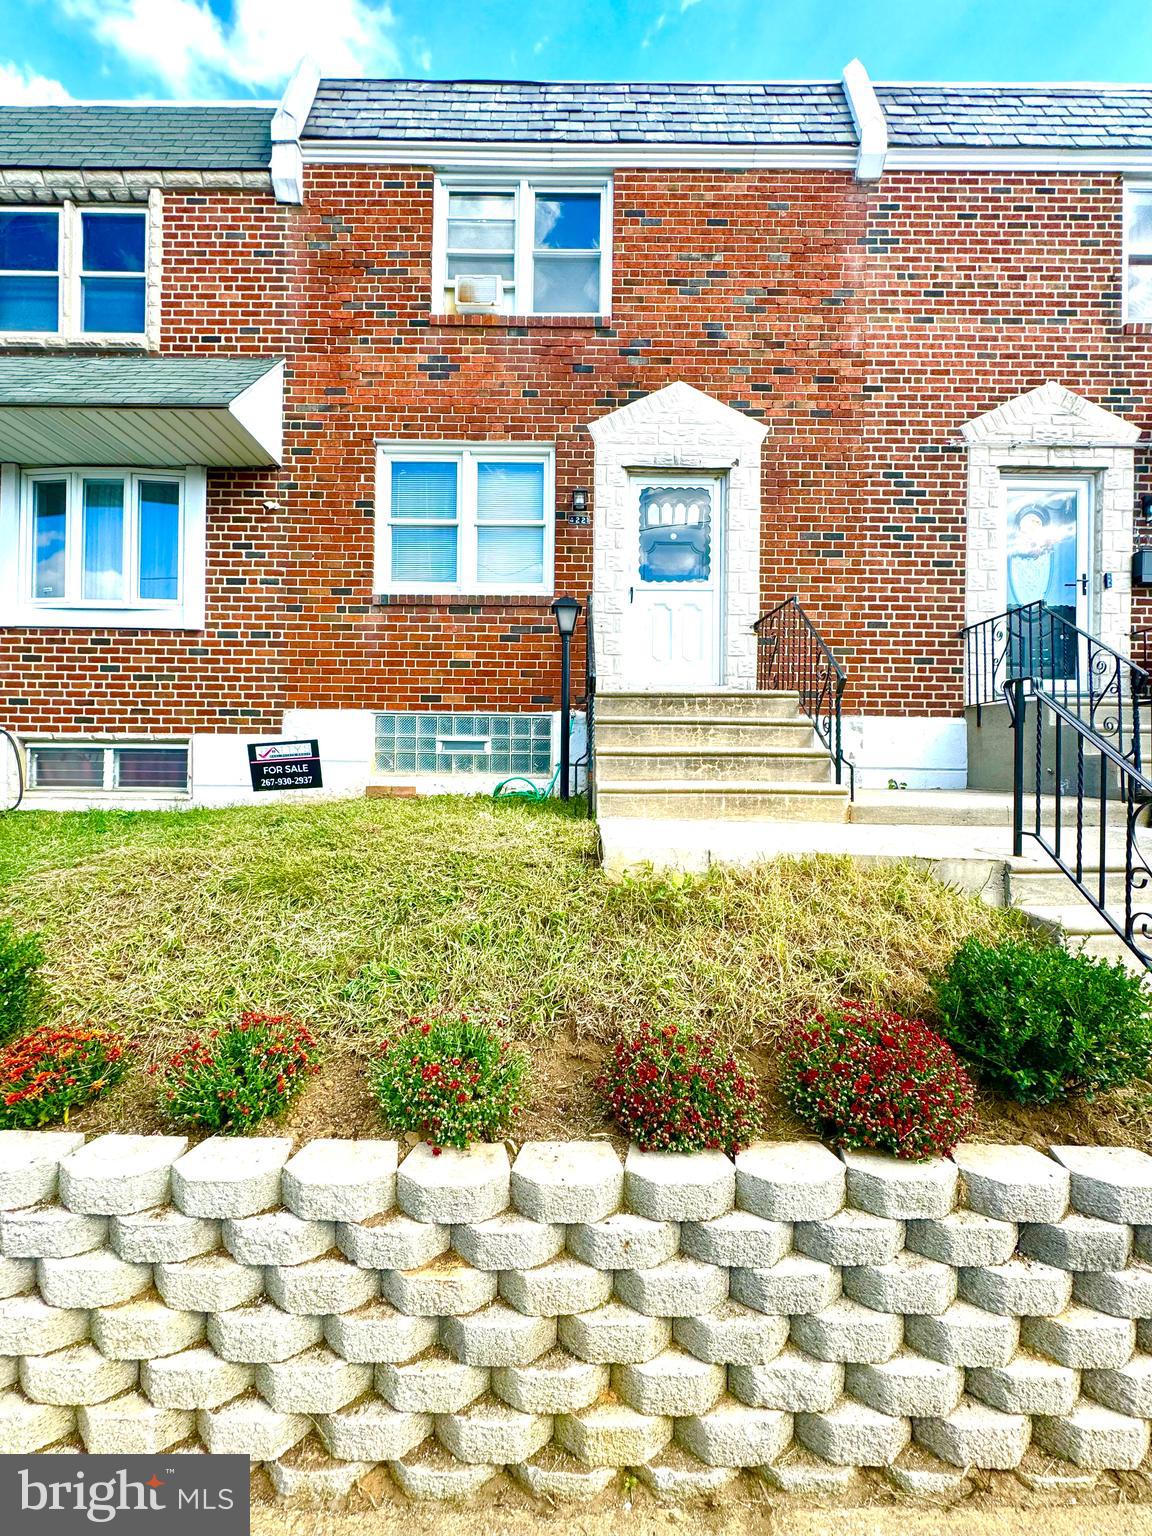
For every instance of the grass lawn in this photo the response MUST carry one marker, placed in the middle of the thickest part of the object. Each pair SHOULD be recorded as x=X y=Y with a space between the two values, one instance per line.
x=354 y=914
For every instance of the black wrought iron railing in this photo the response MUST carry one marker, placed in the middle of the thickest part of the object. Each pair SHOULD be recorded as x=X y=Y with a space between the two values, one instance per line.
x=792 y=656
x=1104 y=689
x=1068 y=780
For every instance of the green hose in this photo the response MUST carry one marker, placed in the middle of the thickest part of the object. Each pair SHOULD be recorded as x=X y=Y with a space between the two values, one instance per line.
x=531 y=790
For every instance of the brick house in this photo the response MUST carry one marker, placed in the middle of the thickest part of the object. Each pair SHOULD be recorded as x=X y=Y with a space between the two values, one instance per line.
x=306 y=414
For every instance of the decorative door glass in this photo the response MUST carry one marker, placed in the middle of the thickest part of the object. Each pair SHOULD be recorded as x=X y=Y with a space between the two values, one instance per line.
x=675 y=533
x=1046 y=561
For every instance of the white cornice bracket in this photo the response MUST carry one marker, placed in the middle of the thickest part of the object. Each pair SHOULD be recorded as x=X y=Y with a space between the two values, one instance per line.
x=871 y=124
x=287 y=125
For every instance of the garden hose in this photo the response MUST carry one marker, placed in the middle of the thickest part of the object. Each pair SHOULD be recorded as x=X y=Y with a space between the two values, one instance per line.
x=531 y=790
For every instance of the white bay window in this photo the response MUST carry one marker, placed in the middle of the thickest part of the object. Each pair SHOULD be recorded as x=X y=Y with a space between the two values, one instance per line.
x=469 y=519
x=121 y=548
x=534 y=245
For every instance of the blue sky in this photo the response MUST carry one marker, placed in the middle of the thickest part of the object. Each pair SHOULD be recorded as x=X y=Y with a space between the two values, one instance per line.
x=107 y=49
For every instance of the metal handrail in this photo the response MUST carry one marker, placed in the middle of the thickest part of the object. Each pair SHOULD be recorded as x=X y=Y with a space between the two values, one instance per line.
x=1133 y=791
x=1107 y=690
x=792 y=656
x=589 y=707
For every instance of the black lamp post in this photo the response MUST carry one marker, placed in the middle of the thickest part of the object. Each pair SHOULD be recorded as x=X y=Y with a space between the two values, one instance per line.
x=566 y=611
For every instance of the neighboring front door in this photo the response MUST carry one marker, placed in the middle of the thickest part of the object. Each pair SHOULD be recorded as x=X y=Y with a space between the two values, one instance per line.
x=673 y=601
x=1049 y=548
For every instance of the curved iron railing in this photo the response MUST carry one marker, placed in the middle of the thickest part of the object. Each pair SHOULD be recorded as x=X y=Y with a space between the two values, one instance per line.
x=1103 y=688
x=792 y=656
x=11 y=772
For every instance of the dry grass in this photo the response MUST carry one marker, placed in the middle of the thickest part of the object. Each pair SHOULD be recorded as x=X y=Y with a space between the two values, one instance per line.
x=354 y=914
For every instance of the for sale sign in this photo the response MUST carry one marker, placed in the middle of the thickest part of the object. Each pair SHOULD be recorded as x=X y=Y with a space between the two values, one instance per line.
x=285 y=765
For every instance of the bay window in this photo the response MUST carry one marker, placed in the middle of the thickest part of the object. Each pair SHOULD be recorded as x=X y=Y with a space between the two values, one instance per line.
x=119 y=547
x=465 y=519
x=1139 y=247
x=539 y=245
x=73 y=272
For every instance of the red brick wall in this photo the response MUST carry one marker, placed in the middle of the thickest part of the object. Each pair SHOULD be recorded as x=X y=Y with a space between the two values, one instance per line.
x=864 y=324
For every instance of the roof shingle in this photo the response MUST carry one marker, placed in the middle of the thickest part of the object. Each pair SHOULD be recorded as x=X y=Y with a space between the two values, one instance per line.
x=136 y=137
x=181 y=382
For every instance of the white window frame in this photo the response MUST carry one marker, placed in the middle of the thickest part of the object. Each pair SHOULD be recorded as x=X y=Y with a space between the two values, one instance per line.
x=18 y=603
x=525 y=189
x=466 y=456
x=70 y=271
x=109 y=785
x=1132 y=190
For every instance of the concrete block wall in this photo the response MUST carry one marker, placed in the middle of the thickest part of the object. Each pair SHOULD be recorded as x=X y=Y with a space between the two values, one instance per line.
x=567 y=1313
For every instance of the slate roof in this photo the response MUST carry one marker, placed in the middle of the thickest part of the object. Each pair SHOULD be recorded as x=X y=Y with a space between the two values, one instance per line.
x=1018 y=116
x=581 y=112
x=181 y=382
x=136 y=137
x=769 y=113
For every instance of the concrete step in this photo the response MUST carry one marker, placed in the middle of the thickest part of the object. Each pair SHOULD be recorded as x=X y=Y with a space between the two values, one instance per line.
x=1051 y=887
x=806 y=765
x=963 y=808
x=715 y=704
x=1083 y=930
x=682 y=735
x=685 y=800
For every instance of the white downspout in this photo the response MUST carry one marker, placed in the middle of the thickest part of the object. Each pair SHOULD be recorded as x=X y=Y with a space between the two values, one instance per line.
x=871 y=124
x=287 y=126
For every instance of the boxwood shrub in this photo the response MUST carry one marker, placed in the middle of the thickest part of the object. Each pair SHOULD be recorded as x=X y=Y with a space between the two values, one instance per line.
x=22 y=992
x=1038 y=1023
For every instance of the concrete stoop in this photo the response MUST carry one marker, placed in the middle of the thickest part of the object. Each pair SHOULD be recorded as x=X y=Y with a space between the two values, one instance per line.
x=715 y=755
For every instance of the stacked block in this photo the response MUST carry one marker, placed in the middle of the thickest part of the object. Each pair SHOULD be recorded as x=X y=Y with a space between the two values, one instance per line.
x=791 y=1312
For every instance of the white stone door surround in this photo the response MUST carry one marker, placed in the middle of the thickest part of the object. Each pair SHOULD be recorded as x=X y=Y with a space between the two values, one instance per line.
x=675 y=428
x=1051 y=430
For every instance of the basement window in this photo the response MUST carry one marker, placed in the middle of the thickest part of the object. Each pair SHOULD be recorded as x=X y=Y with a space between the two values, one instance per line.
x=94 y=768
x=450 y=744
x=1139 y=246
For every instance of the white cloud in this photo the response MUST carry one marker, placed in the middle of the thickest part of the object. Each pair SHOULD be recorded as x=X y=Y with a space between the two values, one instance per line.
x=189 y=50
x=22 y=88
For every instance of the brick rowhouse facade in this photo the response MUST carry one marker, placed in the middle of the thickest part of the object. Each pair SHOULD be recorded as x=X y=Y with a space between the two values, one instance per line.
x=864 y=323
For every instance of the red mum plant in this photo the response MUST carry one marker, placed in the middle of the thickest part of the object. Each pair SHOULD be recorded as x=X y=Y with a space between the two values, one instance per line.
x=451 y=1080
x=237 y=1076
x=870 y=1080
x=53 y=1071
x=670 y=1090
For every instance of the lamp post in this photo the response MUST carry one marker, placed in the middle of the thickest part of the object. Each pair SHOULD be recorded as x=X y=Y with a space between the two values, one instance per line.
x=565 y=610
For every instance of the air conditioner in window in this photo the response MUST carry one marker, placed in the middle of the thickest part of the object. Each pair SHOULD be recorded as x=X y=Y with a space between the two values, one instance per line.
x=476 y=294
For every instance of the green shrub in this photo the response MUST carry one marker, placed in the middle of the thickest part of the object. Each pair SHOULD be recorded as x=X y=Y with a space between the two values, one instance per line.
x=22 y=992
x=670 y=1090
x=54 y=1071
x=237 y=1076
x=452 y=1081
x=1037 y=1023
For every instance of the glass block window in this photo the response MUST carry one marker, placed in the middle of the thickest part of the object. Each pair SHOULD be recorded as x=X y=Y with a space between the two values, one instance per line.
x=440 y=744
x=93 y=766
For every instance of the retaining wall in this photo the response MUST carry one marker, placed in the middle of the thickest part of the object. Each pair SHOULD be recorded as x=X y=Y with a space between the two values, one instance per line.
x=570 y=1314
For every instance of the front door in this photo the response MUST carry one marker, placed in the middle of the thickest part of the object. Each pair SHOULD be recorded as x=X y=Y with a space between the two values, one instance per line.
x=673 y=600
x=1049 y=556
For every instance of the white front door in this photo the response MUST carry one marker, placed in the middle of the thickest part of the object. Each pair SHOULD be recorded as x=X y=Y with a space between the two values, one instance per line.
x=673 y=600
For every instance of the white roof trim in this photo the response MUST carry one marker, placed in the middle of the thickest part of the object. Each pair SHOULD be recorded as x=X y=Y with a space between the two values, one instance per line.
x=871 y=124
x=287 y=126
x=534 y=155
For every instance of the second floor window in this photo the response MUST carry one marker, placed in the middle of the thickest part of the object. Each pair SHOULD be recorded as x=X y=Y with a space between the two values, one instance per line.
x=73 y=271
x=1139 y=241
x=522 y=246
